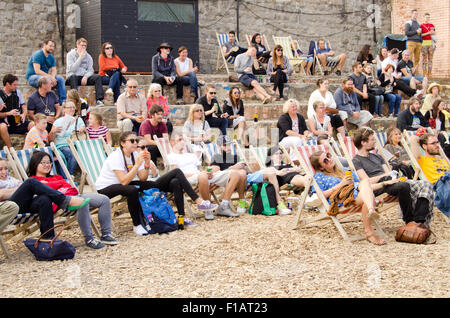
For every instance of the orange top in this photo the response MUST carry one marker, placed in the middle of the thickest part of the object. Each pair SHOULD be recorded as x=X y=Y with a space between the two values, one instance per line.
x=106 y=64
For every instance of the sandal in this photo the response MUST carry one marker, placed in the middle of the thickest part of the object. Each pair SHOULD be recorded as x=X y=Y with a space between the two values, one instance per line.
x=372 y=238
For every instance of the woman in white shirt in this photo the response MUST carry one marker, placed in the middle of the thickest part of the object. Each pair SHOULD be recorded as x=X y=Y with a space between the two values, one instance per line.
x=186 y=71
x=320 y=124
x=326 y=97
x=124 y=164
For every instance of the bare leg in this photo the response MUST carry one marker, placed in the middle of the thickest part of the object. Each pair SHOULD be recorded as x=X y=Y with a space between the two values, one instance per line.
x=270 y=175
x=341 y=130
x=242 y=183
x=342 y=59
x=5 y=135
x=231 y=185
x=299 y=181
x=203 y=185
x=323 y=61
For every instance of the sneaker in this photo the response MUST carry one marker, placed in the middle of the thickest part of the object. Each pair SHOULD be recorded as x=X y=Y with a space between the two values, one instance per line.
x=140 y=230
x=209 y=215
x=201 y=82
x=108 y=239
x=391 y=115
x=326 y=73
x=94 y=244
x=109 y=91
x=189 y=222
x=242 y=207
x=206 y=206
x=224 y=210
x=99 y=103
x=338 y=73
x=282 y=209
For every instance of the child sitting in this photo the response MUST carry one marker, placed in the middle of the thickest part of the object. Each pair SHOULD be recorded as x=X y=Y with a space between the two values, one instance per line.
x=37 y=136
x=96 y=128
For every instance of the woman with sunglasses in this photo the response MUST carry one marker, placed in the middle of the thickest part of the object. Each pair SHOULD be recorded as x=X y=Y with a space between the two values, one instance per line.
x=155 y=97
x=63 y=128
x=234 y=107
x=122 y=166
x=40 y=167
x=330 y=178
x=279 y=69
x=196 y=128
x=111 y=68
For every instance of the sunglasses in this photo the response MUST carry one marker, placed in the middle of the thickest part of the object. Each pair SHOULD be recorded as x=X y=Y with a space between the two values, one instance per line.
x=142 y=147
x=109 y=48
x=132 y=140
x=199 y=111
x=327 y=159
x=212 y=93
x=280 y=50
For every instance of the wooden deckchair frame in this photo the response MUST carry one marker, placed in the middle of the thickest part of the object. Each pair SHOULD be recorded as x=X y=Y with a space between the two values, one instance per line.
x=331 y=65
x=263 y=41
x=285 y=42
x=222 y=61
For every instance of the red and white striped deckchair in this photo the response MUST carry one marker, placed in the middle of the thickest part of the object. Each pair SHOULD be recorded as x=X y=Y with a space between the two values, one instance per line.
x=304 y=153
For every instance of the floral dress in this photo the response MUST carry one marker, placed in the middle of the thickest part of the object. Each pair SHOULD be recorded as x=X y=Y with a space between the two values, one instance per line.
x=326 y=182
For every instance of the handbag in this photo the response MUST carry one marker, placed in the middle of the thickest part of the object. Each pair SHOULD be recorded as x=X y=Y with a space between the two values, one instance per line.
x=49 y=250
x=376 y=90
x=412 y=233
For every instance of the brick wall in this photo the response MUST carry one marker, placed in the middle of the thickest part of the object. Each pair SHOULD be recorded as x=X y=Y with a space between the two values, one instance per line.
x=440 y=17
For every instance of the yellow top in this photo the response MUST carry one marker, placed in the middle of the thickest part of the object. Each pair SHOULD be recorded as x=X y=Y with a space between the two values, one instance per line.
x=433 y=168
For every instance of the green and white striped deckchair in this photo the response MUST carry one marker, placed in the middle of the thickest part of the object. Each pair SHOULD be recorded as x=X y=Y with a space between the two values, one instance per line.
x=90 y=155
x=260 y=154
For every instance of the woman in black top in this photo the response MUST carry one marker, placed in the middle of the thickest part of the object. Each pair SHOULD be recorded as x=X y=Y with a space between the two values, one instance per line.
x=292 y=126
x=262 y=54
x=365 y=55
x=234 y=107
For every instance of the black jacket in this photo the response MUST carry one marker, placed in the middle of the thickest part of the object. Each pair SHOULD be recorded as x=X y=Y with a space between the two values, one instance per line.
x=405 y=120
x=285 y=123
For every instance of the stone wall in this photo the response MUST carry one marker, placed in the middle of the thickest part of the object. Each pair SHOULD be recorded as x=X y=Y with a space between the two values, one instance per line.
x=439 y=11
x=24 y=25
x=343 y=23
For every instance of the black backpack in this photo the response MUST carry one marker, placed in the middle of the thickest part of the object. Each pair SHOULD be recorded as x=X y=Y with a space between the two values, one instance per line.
x=264 y=200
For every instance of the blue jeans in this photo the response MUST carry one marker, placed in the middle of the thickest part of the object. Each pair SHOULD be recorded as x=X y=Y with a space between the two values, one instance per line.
x=394 y=101
x=114 y=83
x=379 y=100
x=191 y=79
x=221 y=123
x=60 y=84
x=71 y=162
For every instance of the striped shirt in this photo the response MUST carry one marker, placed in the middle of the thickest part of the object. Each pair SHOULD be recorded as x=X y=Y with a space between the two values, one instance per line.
x=34 y=136
x=96 y=133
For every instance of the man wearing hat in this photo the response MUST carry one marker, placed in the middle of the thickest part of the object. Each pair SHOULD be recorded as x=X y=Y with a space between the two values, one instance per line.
x=164 y=72
x=433 y=92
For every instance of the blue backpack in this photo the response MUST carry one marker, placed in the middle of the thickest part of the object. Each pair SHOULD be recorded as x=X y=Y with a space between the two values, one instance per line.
x=442 y=194
x=158 y=214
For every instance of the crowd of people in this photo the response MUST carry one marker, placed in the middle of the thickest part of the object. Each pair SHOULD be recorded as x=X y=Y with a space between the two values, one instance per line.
x=132 y=167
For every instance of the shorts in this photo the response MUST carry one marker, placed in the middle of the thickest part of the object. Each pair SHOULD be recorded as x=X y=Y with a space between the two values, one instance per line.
x=256 y=177
x=333 y=59
x=364 y=118
x=247 y=79
x=287 y=178
x=220 y=178
x=407 y=79
x=21 y=129
x=233 y=123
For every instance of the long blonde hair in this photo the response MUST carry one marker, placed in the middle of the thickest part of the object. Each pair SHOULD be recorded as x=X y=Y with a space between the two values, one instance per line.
x=192 y=110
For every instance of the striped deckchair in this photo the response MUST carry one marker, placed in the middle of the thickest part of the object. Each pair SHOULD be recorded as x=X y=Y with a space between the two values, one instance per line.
x=313 y=48
x=211 y=148
x=165 y=148
x=304 y=153
x=23 y=223
x=223 y=62
x=263 y=40
x=90 y=155
x=286 y=44
x=260 y=155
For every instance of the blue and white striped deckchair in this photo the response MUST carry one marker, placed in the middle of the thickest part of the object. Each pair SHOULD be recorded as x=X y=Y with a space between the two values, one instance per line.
x=210 y=149
x=222 y=38
x=22 y=159
x=23 y=223
x=313 y=48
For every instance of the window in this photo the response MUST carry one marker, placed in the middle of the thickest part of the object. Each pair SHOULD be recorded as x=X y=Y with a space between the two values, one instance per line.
x=180 y=12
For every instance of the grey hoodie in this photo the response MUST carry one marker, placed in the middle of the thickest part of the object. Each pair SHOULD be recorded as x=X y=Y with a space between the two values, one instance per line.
x=79 y=67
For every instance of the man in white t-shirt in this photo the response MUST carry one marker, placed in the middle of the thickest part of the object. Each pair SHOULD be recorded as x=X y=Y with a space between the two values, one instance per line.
x=393 y=60
x=191 y=167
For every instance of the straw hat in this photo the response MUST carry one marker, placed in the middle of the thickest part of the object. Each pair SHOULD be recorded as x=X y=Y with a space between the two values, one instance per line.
x=434 y=85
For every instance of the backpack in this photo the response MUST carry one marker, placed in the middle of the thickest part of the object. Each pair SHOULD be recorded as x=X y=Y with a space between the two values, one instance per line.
x=264 y=200
x=442 y=194
x=157 y=212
